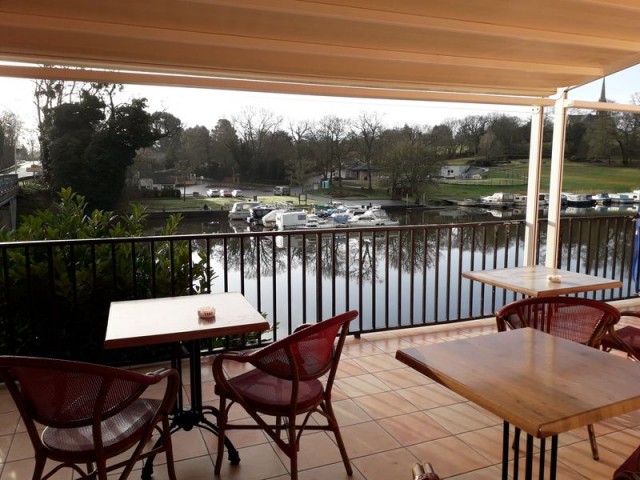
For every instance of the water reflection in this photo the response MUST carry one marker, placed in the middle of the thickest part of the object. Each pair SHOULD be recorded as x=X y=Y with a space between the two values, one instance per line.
x=399 y=276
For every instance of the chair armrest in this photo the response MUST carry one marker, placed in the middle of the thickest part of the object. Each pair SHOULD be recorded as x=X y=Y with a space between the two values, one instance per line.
x=302 y=327
x=173 y=385
x=630 y=313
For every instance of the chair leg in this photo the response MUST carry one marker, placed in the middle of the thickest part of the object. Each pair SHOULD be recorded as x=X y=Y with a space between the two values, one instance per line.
x=168 y=448
x=293 y=448
x=592 y=441
x=222 y=425
x=335 y=428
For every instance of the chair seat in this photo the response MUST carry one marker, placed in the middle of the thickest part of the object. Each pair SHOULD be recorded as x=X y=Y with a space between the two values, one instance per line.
x=266 y=393
x=118 y=432
x=630 y=335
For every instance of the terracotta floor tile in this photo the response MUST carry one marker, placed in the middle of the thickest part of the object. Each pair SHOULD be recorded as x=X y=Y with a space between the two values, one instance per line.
x=348 y=412
x=413 y=428
x=385 y=404
x=461 y=418
x=403 y=378
x=366 y=439
x=393 y=464
x=378 y=363
x=430 y=396
x=450 y=455
x=361 y=385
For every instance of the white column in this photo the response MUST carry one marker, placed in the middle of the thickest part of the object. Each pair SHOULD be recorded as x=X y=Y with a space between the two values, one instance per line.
x=555 y=180
x=533 y=188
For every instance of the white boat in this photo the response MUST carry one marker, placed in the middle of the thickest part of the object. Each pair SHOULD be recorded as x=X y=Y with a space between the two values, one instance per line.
x=467 y=202
x=623 y=198
x=241 y=210
x=257 y=213
x=601 y=198
x=519 y=199
x=579 y=200
x=543 y=199
x=291 y=220
x=499 y=200
x=372 y=217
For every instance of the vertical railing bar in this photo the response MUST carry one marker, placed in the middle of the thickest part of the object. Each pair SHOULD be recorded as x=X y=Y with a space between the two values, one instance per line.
x=374 y=249
x=304 y=282
x=424 y=275
x=460 y=255
x=190 y=260
x=494 y=264
x=448 y=279
x=225 y=263
x=152 y=259
x=386 y=284
x=274 y=288
x=334 y=256
x=172 y=268
x=257 y=241
x=347 y=290
x=72 y=273
x=472 y=262
x=208 y=253
x=482 y=267
x=319 y=292
x=399 y=289
x=505 y=261
x=242 y=261
x=303 y=313
x=114 y=267
x=360 y=271
x=134 y=271
x=412 y=282
x=436 y=290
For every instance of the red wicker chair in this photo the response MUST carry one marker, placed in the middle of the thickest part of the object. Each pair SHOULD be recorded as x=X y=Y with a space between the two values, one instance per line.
x=92 y=413
x=578 y=319
x=286 y=382
x=625 y=339
x=630 y=469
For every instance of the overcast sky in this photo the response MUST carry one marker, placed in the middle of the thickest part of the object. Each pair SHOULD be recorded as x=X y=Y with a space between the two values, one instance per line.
x=204 y=107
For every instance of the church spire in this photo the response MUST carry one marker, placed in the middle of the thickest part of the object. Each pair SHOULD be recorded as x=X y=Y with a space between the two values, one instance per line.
x=603 y=95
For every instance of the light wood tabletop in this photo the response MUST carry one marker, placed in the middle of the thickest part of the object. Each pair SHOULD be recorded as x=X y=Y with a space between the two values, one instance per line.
x=543 y=384
x=175 y=319
x=534 y=281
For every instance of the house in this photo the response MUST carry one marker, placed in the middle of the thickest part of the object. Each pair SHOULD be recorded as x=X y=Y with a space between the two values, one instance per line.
x=359 y=171
x=463 y=172
x=158 y=181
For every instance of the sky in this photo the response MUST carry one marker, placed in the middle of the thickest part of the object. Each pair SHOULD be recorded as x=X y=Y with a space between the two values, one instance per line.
x=204 y=107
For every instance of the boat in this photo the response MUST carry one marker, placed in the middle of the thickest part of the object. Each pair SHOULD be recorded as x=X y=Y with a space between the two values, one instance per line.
x=257 y=213
x=601 y=198
x=499 y=200
x=372 y=217
x=467 y=202
x=519 y=200
x=291 y=220
x=241 y=210
x=579 y=200
x=543 y=199
x=623 y=198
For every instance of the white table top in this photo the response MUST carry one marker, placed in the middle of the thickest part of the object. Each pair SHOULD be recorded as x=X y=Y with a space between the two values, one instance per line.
x=533 y=280
x=175 y=319
x=543 y=384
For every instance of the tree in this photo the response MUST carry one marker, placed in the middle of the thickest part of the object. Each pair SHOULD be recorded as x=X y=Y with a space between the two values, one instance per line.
x=490 y=147
x=10 y=127
x=254 y=128
x=472 y=128
x=367 y=134
x=225 y=147
x=334 y=135
x=411 y=162
x=300 y=164
x=91 y=146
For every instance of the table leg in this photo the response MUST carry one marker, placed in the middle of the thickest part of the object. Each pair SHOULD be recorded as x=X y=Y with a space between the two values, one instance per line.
x=195 y=416
x=505 y=450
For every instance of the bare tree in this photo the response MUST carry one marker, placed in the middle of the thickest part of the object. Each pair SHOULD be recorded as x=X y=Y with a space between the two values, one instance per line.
x=368 y=134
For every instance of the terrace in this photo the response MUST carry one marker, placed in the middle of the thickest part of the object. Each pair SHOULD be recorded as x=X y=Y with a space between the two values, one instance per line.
x=432 y=51
x=390 y=417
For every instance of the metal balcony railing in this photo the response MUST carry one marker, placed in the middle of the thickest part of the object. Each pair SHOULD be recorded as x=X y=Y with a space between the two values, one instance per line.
x=55 y=295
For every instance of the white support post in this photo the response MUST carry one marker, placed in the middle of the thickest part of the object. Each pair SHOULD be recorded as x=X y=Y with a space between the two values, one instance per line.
x=555 y=180
x=533 y=187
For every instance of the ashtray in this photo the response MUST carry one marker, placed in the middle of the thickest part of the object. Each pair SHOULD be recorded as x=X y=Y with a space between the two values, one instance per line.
x=554 y=278
x=207 y=313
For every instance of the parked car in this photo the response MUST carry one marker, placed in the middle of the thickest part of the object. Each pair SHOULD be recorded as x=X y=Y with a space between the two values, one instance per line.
x=213 y=192
x=282 y=190
x=237 y=193
x=225 y=193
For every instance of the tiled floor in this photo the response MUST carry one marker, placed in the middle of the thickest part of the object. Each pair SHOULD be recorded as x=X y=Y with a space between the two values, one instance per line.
x=390 y=417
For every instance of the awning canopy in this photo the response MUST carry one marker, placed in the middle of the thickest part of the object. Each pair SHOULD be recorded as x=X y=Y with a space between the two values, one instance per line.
x=378 y=48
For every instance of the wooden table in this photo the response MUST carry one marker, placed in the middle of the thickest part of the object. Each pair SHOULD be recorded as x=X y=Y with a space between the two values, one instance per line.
x=175 y=320
x=541 y=384
x=533 y=280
